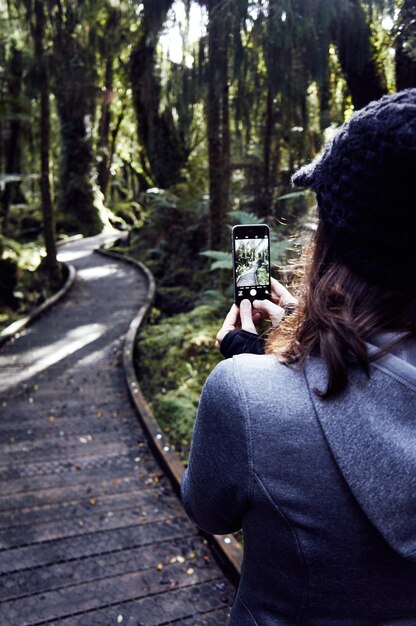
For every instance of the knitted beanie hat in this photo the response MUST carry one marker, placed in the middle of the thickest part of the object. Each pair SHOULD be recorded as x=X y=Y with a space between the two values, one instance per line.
x=365 y=182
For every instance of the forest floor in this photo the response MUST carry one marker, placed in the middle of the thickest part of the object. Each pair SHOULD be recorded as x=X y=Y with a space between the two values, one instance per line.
x=91 y=532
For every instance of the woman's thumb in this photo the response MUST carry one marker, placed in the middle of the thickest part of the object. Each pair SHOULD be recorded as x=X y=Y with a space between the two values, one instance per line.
x=246 y=317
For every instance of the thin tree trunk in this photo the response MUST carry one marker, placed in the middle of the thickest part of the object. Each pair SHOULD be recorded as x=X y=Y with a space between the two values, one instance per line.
x=47 y=208
x=13 y=144
x=112 y=147
x=103 y=145
x=218 y=122
x=1 y=146
x=267 y=147
x=324 y=103
x=225 y=134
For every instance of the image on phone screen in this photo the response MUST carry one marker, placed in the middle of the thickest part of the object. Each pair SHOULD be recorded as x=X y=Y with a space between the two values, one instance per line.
x=251 y=256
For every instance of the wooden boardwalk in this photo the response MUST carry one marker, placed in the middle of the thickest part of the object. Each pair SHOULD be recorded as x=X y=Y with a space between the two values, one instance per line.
x=91 y=533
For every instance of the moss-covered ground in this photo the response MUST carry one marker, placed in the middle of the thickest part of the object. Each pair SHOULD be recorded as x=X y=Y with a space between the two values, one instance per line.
x=174 y=357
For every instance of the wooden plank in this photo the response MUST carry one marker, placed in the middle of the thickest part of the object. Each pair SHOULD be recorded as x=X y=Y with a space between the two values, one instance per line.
x=218 y=617
x=78 y=546
x=113 y=591
x=25 y=495
x=187 y=552
x=86 y=522
x=63 y=451
x=79 y=464
x=51 y=425
x=21 y=479
x=190 y=605
x=140 y=502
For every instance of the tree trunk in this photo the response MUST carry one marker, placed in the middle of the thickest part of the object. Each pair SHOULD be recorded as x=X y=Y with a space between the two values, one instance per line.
x=1 y=145
x=324 y=103
x=352 y=37
x=74 y=87
x=13 y=148
x=406 y=47
x=103 y=145
x=268 y=183
x=218 y=122
x=43 y=81
x=165 y=150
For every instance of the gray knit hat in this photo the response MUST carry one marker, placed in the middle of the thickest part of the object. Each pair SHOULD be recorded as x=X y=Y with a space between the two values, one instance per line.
x=365 y=182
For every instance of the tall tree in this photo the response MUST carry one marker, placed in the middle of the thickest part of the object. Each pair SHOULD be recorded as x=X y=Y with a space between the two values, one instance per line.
x=218 y=119
x=13 y=141
x=405 y=45
x=164 y=151
x=352 y=37
x=110 y=44
x=75 y=90
x=38 y=31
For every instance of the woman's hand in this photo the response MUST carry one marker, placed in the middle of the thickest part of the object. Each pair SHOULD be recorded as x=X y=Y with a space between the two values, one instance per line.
x=274 y=310
x=280 y=295
x=237 y=318
x=246 y=316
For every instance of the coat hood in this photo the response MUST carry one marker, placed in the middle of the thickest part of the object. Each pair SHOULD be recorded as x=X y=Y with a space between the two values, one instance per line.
x=374 y=442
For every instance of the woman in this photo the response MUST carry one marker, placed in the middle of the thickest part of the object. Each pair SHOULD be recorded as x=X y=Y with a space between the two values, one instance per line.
x=311 y=448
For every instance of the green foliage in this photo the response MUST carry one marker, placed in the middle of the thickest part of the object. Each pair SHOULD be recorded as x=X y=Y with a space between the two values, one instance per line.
x=173 y=232
x=290 y=196
x=174 y=357
x=262 y=276
x=176 y=299
x=129 y=214
x=222 y=260
x=217 y=299
x=239 y=216
x=26 y=255
x=24 y=282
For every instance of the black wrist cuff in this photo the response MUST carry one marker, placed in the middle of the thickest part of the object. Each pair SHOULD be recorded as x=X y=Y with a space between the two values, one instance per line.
x=241 y=341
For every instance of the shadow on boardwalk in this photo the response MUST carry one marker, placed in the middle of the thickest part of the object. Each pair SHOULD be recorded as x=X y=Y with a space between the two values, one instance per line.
x=91 y=532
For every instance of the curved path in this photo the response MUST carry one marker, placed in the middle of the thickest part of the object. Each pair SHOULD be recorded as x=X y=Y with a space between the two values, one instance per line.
x=91 y=533
x=249 y=277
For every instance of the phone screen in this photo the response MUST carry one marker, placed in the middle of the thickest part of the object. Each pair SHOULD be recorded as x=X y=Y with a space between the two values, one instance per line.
x=251 y=262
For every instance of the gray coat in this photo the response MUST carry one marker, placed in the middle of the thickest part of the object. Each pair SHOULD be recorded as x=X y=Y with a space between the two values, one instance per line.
x=325 y=490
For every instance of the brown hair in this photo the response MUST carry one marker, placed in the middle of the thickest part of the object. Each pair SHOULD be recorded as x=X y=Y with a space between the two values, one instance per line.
x=339 y=311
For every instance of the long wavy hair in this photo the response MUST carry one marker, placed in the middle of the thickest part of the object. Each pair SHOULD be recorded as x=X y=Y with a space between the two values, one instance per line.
x=338 y=312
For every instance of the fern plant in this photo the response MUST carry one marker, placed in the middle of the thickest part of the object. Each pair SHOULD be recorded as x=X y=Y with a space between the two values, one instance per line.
x=222 y=260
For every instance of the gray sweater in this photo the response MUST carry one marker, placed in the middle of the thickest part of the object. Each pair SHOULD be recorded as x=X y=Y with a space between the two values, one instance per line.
x=325 y=490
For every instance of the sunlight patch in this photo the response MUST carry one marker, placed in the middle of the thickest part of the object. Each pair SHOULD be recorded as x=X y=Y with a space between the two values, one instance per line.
x=92 y=273
x=44 y=357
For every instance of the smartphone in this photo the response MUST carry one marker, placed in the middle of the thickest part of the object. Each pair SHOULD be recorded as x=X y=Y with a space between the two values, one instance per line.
x=251 y=262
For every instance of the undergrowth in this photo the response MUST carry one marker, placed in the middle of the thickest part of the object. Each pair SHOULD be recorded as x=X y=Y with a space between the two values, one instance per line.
x=174 y=357
x=24 y=282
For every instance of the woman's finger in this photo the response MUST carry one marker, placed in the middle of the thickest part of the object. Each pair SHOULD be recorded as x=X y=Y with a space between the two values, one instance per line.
x=281 y=295
x=256 y=315
x=269 y=310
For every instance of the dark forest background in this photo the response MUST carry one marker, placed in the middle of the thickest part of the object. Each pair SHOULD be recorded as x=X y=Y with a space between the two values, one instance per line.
x=168 y=127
